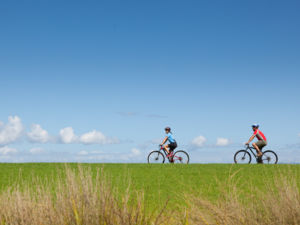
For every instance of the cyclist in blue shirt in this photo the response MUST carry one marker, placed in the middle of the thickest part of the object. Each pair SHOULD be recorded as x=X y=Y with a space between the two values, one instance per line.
x=172 y=143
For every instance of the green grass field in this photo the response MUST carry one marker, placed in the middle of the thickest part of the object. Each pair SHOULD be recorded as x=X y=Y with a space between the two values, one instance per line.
x=159 y=182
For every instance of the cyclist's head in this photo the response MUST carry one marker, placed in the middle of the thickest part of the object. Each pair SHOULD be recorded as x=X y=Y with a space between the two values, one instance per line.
x=255 y=126
x=168 y=129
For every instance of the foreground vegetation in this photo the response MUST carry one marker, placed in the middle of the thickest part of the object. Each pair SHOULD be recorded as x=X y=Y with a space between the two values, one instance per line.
x=149 y=194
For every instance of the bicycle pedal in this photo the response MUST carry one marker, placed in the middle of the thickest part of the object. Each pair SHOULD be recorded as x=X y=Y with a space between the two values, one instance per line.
x=259 y=160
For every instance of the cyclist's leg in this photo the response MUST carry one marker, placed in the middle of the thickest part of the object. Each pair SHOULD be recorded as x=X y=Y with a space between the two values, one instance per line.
x=167 y=148
x=255 y=145
x=262 y=144
x=172 y=146
x=259 y=146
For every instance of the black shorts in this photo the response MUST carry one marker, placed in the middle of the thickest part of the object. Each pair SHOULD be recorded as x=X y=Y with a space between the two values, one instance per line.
x=172 y=146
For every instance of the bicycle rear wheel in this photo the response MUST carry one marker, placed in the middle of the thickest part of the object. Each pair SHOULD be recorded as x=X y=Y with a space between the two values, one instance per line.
x=269 y=157
x=242 y=157
x=156 y=157
x=181 y=157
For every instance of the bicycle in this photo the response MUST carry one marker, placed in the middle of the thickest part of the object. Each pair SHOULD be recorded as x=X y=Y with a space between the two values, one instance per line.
x=244 y=157
x=179 y=156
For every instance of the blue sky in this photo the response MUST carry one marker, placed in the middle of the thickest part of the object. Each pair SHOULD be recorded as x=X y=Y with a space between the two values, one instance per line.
x=97 y=81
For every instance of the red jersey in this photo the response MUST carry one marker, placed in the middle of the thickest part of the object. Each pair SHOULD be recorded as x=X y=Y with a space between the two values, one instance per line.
x=259 y=135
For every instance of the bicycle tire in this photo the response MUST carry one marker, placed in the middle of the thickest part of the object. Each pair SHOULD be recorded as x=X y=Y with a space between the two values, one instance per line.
x=180 y=158
x=235 y=158
x=159 y=155
x=267 y=157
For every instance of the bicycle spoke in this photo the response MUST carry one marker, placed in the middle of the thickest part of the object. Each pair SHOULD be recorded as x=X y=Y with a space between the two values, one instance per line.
x=269 y=157
x=156 y=157
x=181 y=157
x=242 y=157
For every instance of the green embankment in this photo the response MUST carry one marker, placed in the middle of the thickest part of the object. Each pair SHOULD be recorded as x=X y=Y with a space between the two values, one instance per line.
x=159 y=182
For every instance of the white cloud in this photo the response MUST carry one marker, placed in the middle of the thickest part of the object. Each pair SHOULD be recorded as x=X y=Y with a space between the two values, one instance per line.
x=67 y=135
x=156 y=116
x=96 y=152
x=134 y=155
x=7 y=150
x=222 y=142
x=199 y=141
x=38 y=134
x=83 y=153
x=12 y=131
x=36 y=151
x=96 y=137
x=135 y=152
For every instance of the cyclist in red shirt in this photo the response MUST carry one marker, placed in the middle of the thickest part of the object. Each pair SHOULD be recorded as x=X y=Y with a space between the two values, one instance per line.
x=262 y=140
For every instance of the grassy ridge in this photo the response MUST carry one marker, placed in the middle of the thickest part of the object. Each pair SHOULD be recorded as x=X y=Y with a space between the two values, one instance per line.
x=45 y=193
x=160 y=182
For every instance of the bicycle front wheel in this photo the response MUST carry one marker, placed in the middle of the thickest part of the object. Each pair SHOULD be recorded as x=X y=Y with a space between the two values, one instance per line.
x=156 y=157
x=269 y=157
x=242 y=157
x=181 y=157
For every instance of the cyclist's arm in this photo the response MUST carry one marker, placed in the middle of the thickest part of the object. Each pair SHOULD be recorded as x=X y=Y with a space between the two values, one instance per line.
x=164 y=141
x=251 y=139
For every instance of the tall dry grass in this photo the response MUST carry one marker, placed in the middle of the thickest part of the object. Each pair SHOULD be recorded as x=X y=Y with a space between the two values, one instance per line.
x=82 y=198
x=278 y=204
x=78 y=198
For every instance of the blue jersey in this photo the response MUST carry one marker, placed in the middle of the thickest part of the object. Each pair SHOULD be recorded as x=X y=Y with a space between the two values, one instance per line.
x=170 y=138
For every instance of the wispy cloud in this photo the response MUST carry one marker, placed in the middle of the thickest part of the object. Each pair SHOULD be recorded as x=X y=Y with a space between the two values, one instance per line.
x=7 y=150
x=221 y=142
x=135 y=152
x=134 y=155
x=150 y=144
x=83 y=153
x=155 y=116
x=36 y=151
x=128 y=114
x=199 y=141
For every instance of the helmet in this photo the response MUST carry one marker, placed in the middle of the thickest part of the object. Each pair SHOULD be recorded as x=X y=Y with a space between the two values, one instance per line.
x=255 y=125
x=168 y=128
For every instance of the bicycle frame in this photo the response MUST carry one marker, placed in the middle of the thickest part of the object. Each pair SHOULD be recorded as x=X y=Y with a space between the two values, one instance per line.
x=164 y=151
x=166 y=154
x=251 y=150
x=179 y=156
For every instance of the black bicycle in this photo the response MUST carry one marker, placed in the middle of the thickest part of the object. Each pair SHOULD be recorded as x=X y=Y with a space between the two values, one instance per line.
x=159 y=156
x=244 y=157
